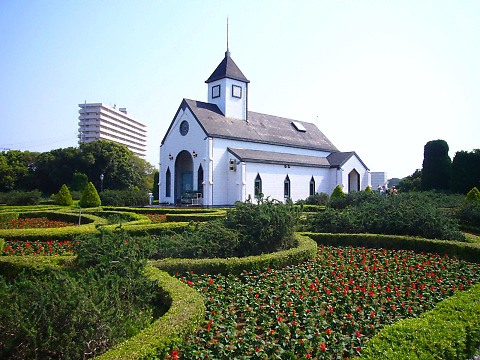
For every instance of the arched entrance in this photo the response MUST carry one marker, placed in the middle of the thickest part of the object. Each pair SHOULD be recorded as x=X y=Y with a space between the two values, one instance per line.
x=183 y=174
x=353 y=181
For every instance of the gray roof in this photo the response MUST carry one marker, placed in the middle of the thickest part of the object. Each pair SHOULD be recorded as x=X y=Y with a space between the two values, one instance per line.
x=260 y=128
x=271 y=157
x=227 y=69
x=337 y=159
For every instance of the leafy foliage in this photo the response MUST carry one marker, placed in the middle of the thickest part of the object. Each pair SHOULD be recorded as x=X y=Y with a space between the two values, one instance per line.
x=412 y=182
x=403 y=214
x=39 y=319
x=134 y=197
x=436 y=166
x=90 y=197
x=473 y=195
x=264 y=227
x=63 y=197
x=79 y=181
x=21 y=198
x=316 y=199
x=465 y=171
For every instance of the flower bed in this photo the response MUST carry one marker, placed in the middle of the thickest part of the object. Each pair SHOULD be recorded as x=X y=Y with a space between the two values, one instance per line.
x=323 y=308
x=157 y=218
x=34 y=223
x=19 y=247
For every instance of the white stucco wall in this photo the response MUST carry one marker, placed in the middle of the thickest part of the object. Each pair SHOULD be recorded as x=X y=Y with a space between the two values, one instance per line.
x=174 y=143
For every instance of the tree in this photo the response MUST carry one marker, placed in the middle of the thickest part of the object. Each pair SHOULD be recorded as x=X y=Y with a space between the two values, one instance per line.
x=465 y=171
x=436 y=166
x=412 y=182
x=473 y=195
x=90 y=197
x=79 y=181
x=337 y=193
x=16 y=170
x=64 y=197
x=121 y=168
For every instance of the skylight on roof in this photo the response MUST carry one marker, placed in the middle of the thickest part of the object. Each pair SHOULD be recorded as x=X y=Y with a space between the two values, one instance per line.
x=298 y=126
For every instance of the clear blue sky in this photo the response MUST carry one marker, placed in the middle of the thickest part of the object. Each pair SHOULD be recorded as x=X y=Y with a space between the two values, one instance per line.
x=381 y=78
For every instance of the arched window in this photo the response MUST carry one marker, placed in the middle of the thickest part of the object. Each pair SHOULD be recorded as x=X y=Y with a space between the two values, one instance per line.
x=200 y=179
x=286 y=188
x=258 y=186
x=312 y=186
x=168 y=183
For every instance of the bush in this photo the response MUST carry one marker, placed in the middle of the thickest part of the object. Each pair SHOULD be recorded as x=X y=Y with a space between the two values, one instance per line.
x=264 y=227
x=449 y=331
x=473 y=195
x=305 y=250
x=101 y=307
x=403 y=214
x=64 y=197
x=469 y=214
x=317 y=199
x=89 y=197
x=22 y=198
x=202 y=240
x=124 y=198
x=79 y=182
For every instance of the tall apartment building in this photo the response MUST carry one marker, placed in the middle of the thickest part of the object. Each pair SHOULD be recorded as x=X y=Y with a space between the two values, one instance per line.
x=98 y=121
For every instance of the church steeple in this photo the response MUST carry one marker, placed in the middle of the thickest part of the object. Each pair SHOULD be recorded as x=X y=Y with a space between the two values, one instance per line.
x=228 y=88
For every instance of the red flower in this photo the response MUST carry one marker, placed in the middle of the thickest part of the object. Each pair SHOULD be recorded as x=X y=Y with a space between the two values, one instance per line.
x=323 y=347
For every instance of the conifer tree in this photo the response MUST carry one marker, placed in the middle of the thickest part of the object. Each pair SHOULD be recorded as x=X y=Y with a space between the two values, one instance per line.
x=64 y=197
x=90 y=197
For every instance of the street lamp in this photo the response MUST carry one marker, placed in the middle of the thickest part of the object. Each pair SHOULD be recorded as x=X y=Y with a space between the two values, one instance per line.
x=101 y=182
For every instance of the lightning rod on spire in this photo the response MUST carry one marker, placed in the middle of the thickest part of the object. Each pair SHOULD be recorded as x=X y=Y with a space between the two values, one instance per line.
x=228 y=50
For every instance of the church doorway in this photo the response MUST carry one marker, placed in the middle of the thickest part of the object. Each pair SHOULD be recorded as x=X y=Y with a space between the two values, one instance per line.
x=353 y=181
x=183 y=175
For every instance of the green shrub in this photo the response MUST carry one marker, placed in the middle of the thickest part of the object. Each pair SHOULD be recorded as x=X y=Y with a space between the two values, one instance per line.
x=64 y=197
x=368 y=189
x=403 y=214
x=22 y=198
x=264 y=227
x=202 y=240
x=473 y=195
x=316 y=199
x=469 y=214
x=8 y=216
x=462 y=250
x=89 y=197
x=305 y=250
x=124 y=198
x=101 y=308
x=2 y=245
x=449 y=331
x=186 y=311
x=79 y=182
x=337 y=192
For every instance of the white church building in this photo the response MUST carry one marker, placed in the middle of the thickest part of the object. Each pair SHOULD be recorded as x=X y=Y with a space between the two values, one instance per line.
x=218 y=152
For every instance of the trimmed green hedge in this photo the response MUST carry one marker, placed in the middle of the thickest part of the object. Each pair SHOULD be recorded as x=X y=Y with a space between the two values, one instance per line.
x=462 y=250
x=195 y=217
x=186 y=311
x=450 y=331
x=8 y=216
x=2 y=245
x=306 y=250
x=164 y=211
x=11 y=266
x=64 y=233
